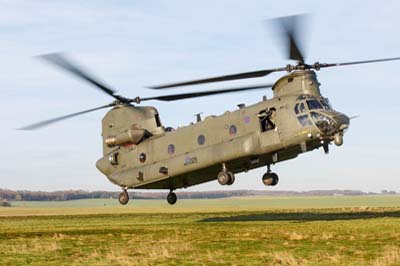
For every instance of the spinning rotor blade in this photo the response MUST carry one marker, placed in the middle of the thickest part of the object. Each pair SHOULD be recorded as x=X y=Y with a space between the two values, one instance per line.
x=357 y=62
x=65 y=64
x=289 y=29
x=245 y=75
x=57 y=119
x=175 y=97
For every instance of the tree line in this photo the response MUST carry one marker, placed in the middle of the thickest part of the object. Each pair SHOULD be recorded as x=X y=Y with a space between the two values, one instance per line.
x=26 y=195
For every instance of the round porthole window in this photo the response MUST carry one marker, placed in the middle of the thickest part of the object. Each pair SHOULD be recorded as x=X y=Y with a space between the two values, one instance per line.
x=232 y=130
x=142 y=157
x=171 y=149
x=201 y=139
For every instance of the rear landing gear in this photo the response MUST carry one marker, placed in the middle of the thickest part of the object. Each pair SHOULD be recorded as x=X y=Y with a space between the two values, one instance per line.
x=225 y=177
x=123 y=197
x=172 y=198
x=270 y=178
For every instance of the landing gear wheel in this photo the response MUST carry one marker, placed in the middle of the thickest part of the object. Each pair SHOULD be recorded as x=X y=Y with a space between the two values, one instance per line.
x=172 y=198
x=226 y=178
x=223 y=178
x=231 y=178
x=123 y=197
x=270 y=179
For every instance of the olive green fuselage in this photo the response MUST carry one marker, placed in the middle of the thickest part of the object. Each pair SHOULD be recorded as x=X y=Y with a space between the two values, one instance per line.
x=241 y=140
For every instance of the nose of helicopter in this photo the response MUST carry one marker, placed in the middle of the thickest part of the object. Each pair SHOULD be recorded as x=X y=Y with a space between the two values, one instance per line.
x=342 y=123
x=331 y=124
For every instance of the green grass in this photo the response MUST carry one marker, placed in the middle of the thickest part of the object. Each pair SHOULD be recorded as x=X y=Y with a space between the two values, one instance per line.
x=362 y=230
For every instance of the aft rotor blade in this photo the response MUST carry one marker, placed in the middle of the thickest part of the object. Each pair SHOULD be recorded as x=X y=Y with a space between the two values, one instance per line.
x=360 y=62
x=57 y=119
x=175 y=97
x=245 y=75
x=65 y=64
x=289 y=27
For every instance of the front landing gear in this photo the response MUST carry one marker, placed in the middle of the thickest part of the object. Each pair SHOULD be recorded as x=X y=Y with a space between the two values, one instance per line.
x=172 y=198
x=225 y=177
x=123 y=197
x=270 y=178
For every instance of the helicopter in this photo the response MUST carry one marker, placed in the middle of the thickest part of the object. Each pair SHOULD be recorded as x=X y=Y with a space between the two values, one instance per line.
x=140 y=153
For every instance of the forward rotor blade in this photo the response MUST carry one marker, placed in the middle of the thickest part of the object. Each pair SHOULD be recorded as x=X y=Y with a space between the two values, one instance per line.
x=175 y=97
x=65 y=64
x=57 y=119
x=245 y=75
x=360 y=62
x=289 y=27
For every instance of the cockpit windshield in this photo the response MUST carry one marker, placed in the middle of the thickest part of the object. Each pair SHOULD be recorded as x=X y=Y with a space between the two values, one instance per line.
x=314 y=104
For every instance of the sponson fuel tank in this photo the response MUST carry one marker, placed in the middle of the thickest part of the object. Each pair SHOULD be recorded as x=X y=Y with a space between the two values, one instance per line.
x=128 y=124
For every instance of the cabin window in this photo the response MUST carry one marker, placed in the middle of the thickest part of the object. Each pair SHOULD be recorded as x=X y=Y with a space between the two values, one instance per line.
x=171 y=149
x=232 y=130
x=113 y=158
x=267 y=119
x=158 y=122
x=201 y=139
x=142 y=157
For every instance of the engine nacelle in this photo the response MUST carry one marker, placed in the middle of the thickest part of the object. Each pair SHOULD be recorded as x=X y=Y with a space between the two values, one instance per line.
x=131 y=136
x=128 y=124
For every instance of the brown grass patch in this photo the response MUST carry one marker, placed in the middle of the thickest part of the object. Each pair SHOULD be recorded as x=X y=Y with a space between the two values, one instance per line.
x=390 y=257
x=35 y=246
x=296 y=236
x=287 y=259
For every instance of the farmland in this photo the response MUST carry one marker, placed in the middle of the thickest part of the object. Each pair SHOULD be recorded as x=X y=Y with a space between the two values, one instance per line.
x=342 y=230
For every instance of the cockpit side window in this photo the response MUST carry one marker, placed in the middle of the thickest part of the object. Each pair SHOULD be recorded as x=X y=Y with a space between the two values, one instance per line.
x=299 y=108
x=302 y=116
x=296 y=109
x=302 y=108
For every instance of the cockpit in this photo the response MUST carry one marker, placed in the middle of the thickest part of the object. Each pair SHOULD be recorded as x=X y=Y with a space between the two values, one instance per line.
x=315 y=110
x=312 y=102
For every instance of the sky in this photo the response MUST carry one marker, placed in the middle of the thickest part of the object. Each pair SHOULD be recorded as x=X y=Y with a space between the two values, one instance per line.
x=134 y=44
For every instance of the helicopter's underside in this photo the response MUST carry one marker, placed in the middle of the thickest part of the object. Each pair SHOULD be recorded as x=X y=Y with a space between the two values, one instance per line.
x=239 y=165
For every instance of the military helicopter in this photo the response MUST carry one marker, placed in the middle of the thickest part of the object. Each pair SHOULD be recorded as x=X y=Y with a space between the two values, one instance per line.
x=140 y=153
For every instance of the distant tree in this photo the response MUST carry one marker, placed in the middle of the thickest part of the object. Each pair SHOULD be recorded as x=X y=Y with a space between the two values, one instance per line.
x=18 y=197
x=5 y=203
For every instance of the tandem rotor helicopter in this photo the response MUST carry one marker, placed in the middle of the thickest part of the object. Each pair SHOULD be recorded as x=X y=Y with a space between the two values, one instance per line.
x=140 y=153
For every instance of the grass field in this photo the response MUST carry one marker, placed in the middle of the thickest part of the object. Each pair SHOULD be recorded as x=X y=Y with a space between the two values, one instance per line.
x=358 y=230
